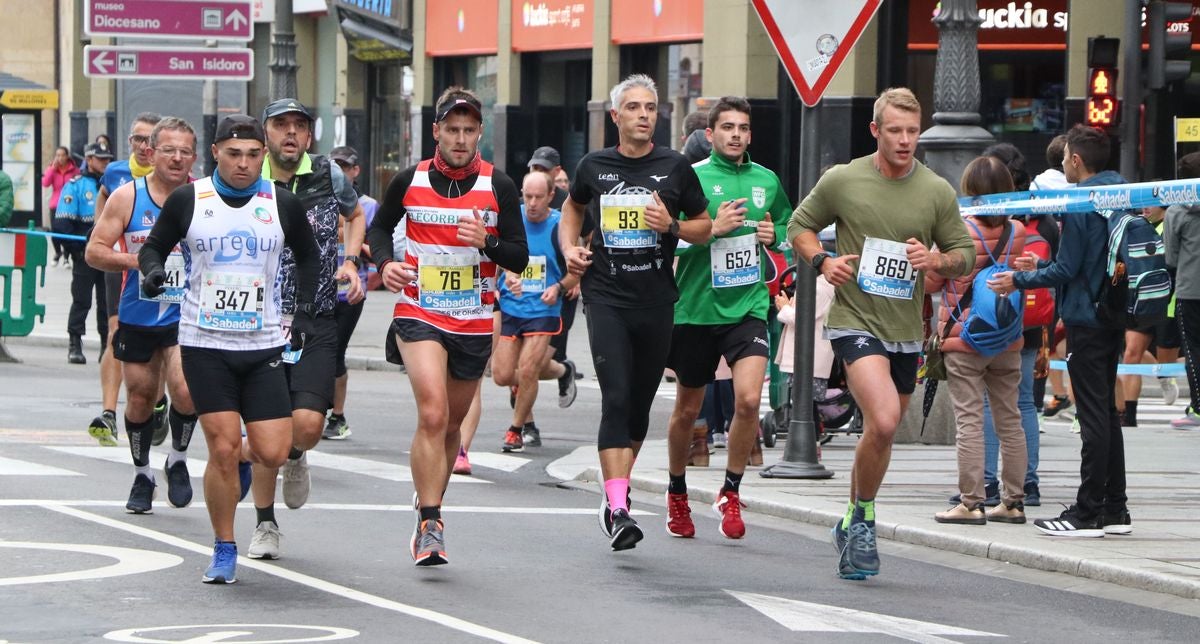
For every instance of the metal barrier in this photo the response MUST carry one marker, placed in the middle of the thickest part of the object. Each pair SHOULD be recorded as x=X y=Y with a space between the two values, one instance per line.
x=23 y=270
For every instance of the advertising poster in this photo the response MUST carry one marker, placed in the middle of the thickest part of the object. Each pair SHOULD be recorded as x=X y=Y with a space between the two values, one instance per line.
x=18 y=138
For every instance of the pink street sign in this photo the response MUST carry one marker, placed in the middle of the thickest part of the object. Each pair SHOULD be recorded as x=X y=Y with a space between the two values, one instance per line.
x=178 y=19
x=200 y=63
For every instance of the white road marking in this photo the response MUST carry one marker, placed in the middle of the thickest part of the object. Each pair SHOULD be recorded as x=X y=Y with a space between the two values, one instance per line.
x=435 y=617
x=129 y=562
x=822 y=618
x=13 y=467
x=342 y=507
x=209 y=636
x=502 y=462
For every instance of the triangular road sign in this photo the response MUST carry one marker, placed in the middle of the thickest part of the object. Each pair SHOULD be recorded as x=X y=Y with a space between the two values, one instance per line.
x=813 y=37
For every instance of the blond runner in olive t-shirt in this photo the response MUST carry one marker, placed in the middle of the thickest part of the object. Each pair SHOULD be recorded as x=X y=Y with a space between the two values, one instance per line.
x=889 y=210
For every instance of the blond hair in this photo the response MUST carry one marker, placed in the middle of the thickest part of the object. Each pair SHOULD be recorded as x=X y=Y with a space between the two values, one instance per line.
x=901 y=98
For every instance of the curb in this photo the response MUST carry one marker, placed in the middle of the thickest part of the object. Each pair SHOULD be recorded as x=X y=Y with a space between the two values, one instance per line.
x=996 y=551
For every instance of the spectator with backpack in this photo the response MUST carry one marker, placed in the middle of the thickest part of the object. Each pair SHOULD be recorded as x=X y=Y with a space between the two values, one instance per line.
x=981 y=341
x=1093 y=344
x=1181 y=233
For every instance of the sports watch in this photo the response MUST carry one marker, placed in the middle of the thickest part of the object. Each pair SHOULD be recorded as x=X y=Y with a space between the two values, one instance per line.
x=817 y=260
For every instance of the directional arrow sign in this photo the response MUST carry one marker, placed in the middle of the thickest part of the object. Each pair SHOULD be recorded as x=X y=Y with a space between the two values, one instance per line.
x=813 y=37
x=201 y=63
x=177 y=19
x=802 y=617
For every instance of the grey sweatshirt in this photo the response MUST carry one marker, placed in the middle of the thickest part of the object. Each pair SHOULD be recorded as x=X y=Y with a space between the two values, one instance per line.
x=1181 y=234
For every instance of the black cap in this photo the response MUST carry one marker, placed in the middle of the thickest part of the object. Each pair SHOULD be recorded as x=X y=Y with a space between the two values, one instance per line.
x=98 y=150
x=545 y=156
x=284 y=106
x=458 y=103
x=240 y=126
x=344 y=154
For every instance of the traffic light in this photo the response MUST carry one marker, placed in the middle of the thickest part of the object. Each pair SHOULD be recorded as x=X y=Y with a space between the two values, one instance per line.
x=1102 y=108
x=1169 y=55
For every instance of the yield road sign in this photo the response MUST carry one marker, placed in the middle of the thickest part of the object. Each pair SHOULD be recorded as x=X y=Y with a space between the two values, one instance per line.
x=814 y=37
x=176 y=19
x=199 y=63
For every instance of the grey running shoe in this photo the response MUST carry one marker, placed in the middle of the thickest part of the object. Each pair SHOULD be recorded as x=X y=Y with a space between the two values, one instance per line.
x=1190 y=420
x=429 y=547
x=567 y=390
x=104 y=429
x=265 y=543
x=179 y=483
x=336 y=429
x=297 y=482
x=141 y=496
x=531 y=435
x=162 y=422
x=861 y=551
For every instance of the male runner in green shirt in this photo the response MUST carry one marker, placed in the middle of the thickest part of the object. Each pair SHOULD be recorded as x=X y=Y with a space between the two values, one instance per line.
x=722 y=309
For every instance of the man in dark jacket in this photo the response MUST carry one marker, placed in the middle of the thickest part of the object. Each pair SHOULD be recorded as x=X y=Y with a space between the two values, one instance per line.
x=1093 y=347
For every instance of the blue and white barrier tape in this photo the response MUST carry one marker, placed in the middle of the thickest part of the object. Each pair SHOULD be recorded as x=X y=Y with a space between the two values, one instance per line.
x=1088 y=199
x=1171 y=370
x=42 y=233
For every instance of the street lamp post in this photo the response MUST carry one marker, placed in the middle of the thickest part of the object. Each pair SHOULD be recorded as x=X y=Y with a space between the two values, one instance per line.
x=283 y=52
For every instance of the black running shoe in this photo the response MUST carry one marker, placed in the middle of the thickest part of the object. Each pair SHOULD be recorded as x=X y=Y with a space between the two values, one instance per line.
x=567 y=389
x=1119 y=523
x=179 y=484
x=531 y=435
x=1070 y=524
x=625 y=531
x=141 y=496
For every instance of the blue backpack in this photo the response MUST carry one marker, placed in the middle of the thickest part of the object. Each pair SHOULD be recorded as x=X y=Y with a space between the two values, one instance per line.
x=1137 y=288
x=994 y=321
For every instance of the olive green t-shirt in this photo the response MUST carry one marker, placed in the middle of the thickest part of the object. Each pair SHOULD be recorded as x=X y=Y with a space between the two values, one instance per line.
x=862 y=204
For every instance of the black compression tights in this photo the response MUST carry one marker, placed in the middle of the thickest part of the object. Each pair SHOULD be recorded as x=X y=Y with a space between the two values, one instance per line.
x=629 y=351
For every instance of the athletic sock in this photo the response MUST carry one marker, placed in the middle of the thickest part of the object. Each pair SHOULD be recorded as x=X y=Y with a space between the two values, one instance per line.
x=868 y=509
x=174 y=456
x=266 y=514
x=677 y=484
x=145 y=471
x=140 y=435
x=617 y=491
x=295 y=454
x=514 y=428
x=1131 y=411
x=732 y=482
x=182 y=426
x=337 y=417
x=432 y=513
x=849 y=515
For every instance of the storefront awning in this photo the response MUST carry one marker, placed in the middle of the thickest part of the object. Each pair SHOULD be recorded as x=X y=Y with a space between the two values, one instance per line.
x=17 y=93
x=373 y=41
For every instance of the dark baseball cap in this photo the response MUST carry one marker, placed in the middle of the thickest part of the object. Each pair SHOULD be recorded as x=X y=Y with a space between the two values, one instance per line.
x=344 y=154
x=452 y=103
x=545 y=156
x=240 y=126
x=284 y=106
x=98 y=150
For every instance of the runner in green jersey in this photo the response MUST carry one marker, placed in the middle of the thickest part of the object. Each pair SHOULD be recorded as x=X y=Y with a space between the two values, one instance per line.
x=722 y=309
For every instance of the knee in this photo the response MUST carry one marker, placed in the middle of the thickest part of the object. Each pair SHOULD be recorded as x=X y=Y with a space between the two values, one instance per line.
x=432 y=420
x=747 y=405
x=527 y=372
x=225 y=455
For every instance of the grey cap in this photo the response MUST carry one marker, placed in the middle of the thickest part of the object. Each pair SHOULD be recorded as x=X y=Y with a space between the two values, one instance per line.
x=545 y=156
x=98 y=150
x=344 y=154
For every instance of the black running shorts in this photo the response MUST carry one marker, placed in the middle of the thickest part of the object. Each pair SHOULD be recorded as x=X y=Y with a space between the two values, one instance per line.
x=904 y=365
x=251 y=383
x=696 y=349
x=466 y=355
x=311 y=379
x=133 y=343
x=512 y=326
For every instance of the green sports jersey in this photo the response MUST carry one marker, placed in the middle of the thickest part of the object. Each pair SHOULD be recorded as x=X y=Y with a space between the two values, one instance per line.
x=721 y=282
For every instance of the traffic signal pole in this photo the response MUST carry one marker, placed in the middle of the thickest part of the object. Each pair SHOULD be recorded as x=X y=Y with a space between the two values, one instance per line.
x=1131 y=90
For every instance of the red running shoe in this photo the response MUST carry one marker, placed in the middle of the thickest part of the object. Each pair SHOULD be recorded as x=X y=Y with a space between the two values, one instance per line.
x=729 y=507
x=679 y=517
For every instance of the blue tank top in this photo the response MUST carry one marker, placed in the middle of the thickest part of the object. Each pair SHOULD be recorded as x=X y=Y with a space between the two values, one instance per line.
x=135 y=309
x=541 y=272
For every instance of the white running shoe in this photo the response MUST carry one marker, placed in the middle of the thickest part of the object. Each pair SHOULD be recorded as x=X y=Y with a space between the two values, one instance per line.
x=297 y=482
x=1170 y=390
x=265 y=543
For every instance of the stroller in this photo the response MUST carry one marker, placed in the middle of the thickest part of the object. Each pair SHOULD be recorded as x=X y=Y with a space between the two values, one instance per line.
x=832 y=412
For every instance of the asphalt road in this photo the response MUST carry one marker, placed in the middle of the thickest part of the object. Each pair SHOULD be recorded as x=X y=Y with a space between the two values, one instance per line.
x=527 y=559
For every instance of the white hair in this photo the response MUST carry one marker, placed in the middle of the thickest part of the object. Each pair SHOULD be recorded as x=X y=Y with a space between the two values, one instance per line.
x=616 y=96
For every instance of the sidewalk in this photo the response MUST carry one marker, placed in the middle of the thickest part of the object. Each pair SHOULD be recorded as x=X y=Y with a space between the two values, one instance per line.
x=1162 y=554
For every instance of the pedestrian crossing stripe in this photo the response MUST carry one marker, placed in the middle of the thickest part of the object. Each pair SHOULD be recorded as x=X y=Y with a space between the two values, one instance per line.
x=13 y=467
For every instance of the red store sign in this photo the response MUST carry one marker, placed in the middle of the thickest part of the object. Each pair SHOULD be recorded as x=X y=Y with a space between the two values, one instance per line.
x=546 y=25
x=461 y=27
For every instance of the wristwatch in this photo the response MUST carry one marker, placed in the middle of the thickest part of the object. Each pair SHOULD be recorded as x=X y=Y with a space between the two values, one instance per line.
x=491 y=241
x=306 y=308
x=356 y=260
x=673 y=228
x=817 y=260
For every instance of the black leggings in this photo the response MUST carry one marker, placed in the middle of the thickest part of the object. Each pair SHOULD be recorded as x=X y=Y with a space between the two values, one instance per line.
x=1187 y=313
x=346 y=315
x=629 y=351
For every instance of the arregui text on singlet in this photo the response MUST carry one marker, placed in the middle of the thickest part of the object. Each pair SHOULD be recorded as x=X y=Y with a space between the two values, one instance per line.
x=456 y=284
x=232 y=260
x=136 y=308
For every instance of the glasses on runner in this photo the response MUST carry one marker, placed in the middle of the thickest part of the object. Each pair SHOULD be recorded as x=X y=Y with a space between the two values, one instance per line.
x=170 y=152
x=139 y=139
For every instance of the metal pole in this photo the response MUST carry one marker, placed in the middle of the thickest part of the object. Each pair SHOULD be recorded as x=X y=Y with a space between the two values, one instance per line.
x=1131 y=89
x=209 y=121
x=283 y=49
x=800 y=454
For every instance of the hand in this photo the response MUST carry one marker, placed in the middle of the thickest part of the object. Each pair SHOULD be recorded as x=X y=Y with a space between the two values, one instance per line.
x=765 y=232
x=398 y=275
x=355 y=294
x=919 y=255
x=578 y=259
x=513 y=282
x=1026 y=262
x=550 y=295
x=303 y=330
x=572 y=293
x=782 y=301
x=657 y=217
x=471 y=230
x=1002 y=283
x=152 y=282
x=730 y=215
x=837 y=270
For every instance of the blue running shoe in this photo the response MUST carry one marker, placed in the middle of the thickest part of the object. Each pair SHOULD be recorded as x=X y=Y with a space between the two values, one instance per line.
x=860 y=546
x=223 y=569
x=845 y=569
x=245 y=474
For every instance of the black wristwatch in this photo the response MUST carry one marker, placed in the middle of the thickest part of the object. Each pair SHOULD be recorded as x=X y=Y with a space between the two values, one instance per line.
x=673 y=228
x=817 y=260
x=356 y=260
x=491 y=241
x=307 y=308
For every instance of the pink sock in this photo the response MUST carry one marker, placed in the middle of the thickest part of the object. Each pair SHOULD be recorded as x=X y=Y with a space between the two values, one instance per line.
x=617 y=491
